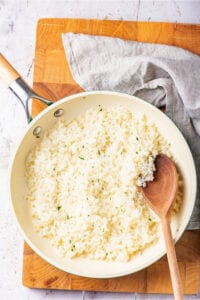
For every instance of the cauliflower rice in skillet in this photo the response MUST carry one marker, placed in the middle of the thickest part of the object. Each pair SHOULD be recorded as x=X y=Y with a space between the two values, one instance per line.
x=83 y=184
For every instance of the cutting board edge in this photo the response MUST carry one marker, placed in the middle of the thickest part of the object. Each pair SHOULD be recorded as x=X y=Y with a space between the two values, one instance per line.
x=46 y=21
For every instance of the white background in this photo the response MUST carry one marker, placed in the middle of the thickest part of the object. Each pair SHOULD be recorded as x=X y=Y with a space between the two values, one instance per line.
x=18 y=20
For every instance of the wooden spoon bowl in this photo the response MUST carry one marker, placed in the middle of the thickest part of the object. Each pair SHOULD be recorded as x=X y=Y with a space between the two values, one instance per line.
x=160 y=194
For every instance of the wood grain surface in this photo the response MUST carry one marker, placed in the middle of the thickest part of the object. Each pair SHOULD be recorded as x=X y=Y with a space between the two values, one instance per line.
x=53 y=79
x=7 y=73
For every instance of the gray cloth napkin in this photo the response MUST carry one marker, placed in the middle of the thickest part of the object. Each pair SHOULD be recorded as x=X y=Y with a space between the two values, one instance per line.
x=159 y=74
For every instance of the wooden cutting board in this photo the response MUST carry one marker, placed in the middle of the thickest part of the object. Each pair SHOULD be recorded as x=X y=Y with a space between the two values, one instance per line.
x=52 y=79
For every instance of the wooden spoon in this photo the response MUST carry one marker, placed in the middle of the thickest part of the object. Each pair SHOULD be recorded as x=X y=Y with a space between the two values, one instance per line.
x=160 y=194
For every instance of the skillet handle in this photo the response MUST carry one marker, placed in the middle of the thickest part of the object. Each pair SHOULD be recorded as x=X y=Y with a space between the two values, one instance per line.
x=7 y=73
x=12 y=79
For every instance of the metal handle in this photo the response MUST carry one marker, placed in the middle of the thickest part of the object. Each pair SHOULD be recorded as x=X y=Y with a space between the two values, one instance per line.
x=24 y=93
x=18 y=86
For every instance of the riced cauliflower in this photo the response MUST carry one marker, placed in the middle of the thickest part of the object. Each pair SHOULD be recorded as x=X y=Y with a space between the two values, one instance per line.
x=83 y=184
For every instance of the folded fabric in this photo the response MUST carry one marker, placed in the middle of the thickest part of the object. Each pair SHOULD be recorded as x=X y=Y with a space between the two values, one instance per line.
x=159 y=74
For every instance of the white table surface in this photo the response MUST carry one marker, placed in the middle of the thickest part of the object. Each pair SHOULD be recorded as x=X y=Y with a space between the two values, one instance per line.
x=18 y=19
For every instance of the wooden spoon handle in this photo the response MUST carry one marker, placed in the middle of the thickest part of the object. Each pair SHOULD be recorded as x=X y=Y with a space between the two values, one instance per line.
x=172 y=260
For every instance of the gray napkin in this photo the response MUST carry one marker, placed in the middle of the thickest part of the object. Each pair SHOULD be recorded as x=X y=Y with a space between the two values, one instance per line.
x=159 y=74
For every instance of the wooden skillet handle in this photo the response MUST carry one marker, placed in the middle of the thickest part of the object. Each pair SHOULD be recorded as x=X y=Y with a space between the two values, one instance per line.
x=7 y=73
x=172 y=260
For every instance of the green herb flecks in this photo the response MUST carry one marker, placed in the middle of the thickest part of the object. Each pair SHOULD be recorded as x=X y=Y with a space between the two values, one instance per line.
x=99 y=152
x=150 y=219
x=73 y=247
x=68 y=217
x=59 y=207
x=81 y=157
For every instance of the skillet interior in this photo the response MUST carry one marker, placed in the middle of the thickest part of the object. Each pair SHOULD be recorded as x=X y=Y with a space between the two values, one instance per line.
x=73 y=106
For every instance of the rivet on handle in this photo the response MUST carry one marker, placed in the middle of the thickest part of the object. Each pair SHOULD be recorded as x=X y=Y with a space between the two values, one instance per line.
x=37 y=131
x=58 y=113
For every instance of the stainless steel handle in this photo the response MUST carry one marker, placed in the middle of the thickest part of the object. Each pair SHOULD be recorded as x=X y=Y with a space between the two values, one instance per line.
x=18 y=86
x=24 y=93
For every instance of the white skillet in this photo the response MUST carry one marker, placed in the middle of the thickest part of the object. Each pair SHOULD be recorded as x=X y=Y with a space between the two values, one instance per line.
x=68 y=108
